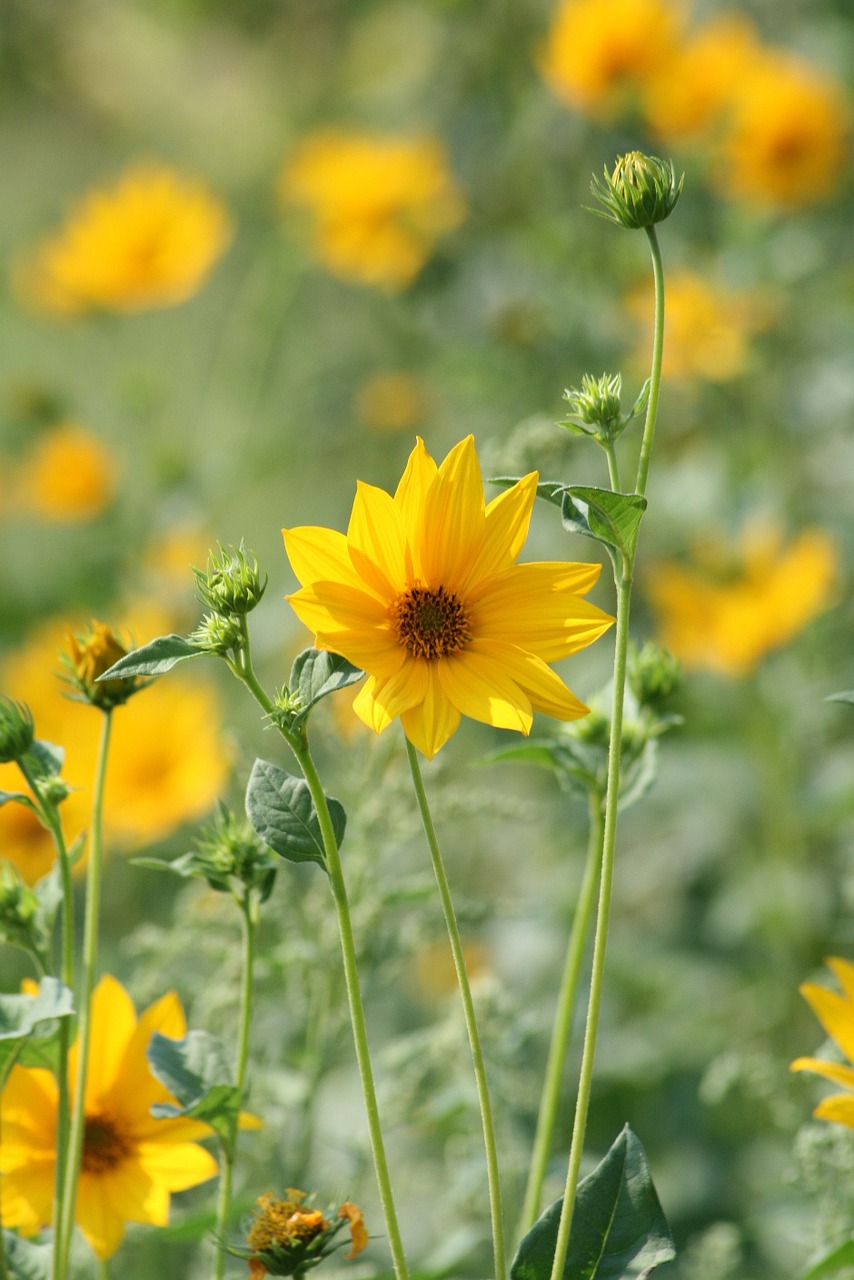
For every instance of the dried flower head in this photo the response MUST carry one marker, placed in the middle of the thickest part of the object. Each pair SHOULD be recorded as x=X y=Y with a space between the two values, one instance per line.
x=288 y=1238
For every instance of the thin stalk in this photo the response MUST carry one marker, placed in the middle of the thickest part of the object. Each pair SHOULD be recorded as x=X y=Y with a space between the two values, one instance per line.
x=562 y=1029
x=657 y=352
x=90 y=962
x=613 y=466
x=470 y=1018
x=582 y=1105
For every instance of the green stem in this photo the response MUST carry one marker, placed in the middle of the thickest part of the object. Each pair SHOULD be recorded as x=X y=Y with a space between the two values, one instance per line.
x=613 y=466
x=657 y=351
x=90 y=961
x=563 y=1020
x=470 y=1018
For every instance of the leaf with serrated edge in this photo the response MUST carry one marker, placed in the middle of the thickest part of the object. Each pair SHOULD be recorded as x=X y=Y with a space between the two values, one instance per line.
x=315 y=674
x=281 y=811
x=154 y=659
x=619 y=1231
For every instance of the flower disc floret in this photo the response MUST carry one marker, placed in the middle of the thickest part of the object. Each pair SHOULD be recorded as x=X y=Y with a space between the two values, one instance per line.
x=425 y=595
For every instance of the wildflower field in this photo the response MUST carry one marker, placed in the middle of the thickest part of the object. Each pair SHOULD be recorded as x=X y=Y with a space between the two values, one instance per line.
x=426 y=740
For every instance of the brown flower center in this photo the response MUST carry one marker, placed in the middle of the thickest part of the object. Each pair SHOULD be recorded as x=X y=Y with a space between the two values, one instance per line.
x=430 y=624
x=104 y=1144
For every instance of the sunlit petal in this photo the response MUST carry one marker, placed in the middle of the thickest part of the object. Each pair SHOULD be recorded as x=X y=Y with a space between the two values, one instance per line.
x=480 y=687
x=838 y=1108
x=334 y=606
x=529 y=606
x=319 y=555
x=451 y=535
x=374 y=650
x=377 y=541
x=834 y=1071
x=411 y=493
x=545 y=689
x=429 y=725
x=101 y=1223
x=844 y=971
x=506 y=528
x=176 y=1165
x=112 y=1024
x=835 y=1014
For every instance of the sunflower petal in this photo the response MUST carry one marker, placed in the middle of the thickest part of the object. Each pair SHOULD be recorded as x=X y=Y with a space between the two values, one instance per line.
x=481 y=688
x=430 y=724
x=135 y=1087
x=844 y=971
x=381 y=701
x=451 y=533
x=319 y=555
x=176 y=1166
x=411 y=493
x=101 y=1223
x=375 y=651
x=835 y=1013
x=27 y=1203
x=834 y=1071
x=335 y=606
x=377 y=542
x=506 y=527
x=839 y=1108
x=530 y=606
x=546 y=690
x=112 y=1023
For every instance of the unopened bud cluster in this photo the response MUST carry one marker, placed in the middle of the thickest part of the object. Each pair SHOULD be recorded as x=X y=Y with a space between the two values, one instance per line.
x=232 y=584
x=596 y=409
x=20 y=922
x=229 y=853
x=90 y=654
x=640 y=192
x=654 y=674
x=16 y=730
x=218 y=633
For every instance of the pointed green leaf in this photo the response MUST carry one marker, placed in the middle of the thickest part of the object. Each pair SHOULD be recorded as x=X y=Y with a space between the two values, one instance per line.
x=154 y=658
x=16 y=797
x=847 y=695
x=282 y=812
x=196 y=1071
x=833 y=1262
x=45 y=759
x=25 y=1260
x=317 y=673
x=611 y=518
x=619 y=1231
x=27 y=1023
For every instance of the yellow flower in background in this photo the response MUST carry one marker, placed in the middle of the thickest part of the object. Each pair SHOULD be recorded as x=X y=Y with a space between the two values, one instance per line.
x=392 y=402
x=708 y=326
x=787 y=142
x=378 y=205
x=693 y=91
x=836 y=1015
x=148 y=241
x=600 y=54
x=68 y=475
x=23 y=839
x=131 y=1162
x=423 y=593
x=734 y=605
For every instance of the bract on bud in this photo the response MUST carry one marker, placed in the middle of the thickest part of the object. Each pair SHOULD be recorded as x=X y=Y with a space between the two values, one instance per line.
x=232 y=583
x=641 y=191
x=89 y=656
x=218 y=633
x=654 y=674
x=16 y=730
x=228 y=852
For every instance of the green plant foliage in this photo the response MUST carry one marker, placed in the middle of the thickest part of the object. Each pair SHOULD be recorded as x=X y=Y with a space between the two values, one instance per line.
x=25 y=1260
x=610 y=518
x=314 y=675
x=22 y=1015
x=282 y=813
x=154 y=659
x=832 y=1263
x=196 y=1071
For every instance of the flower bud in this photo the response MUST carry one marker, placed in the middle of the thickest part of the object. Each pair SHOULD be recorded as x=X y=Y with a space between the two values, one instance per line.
x=88 y=657
x=229 y=851
x=19 y=908
x=654 y=674
x=218 y=634
x=641 y=191
x=231 y=584
x=16 y=730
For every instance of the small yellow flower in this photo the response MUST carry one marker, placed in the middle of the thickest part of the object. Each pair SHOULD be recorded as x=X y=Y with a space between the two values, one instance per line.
x=600 y=54
x=69 y=475
x=131 y=1162
x=735 y=606
x=148 y=241
x=88 y=657
x=836 y=1015
x=787 y=142
x=709 y=327
x=392 y=402
x=424 y=594
x=378 y=204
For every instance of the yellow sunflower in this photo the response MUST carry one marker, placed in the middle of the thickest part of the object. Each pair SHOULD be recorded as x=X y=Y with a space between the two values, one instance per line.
x=131 y=1162
x=836 y=1015
x=423 y=593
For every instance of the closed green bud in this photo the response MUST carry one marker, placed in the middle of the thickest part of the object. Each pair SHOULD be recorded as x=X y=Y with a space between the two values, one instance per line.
x=16 y=730
x=641 y=191
x=218 y=634
x=228 y=852
x=654 y=674
x=232 y=583
x=19 y=909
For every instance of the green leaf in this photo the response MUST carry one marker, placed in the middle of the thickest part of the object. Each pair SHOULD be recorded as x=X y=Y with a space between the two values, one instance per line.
x=154 y=658
x=834 y=1261
x=847 y=695
x=281 y=811
x=618 y=1227
x=45 y=759
x=25 y=1260
x=315 y=674
x=16 y=797
x=610 y=518
x=21 y=1015
x=196 y=1071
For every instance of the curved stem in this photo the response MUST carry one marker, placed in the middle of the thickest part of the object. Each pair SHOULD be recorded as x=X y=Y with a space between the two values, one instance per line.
x=470 y=1018
x=563 y=1020
x=657 y=352
x=90 y=961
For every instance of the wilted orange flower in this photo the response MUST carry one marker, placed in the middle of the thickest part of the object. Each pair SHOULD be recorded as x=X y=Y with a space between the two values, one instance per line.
x=708 y=326
x=392 y=402
x=286 y=1238
x=131 y=1162
x=735 y=605
x=148 y=241
x=787 y=142
x=600 y=54
x=836 y=1015
x=69 y=475
x=378 y=204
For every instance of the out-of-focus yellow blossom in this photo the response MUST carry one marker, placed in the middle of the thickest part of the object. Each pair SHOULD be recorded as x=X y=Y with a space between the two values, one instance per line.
x=68 y=475
x=378 y=204
x=435 y=974
x=392 y=402
x=787 y=141
x=708 y=327
x=168 y=757
x=836 y=1015
x=690 y=93
x=148 y=241
x=601 y=54
x=131 y=1162
x=733 y=606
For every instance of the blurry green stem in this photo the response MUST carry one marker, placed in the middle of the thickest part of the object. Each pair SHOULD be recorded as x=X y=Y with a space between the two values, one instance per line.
x=613 y=466
x=563 y=1019
x=65 y=1221
x=657 y=352
x=471 y=1020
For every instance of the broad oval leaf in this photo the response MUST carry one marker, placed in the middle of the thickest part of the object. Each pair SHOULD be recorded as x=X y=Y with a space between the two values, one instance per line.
x=315 y=674
x=154 y=658
x=45 y=759
x=619 y=1231
x=281 y=811
x=196 y=1071
x=28 y=1022
x=610 y=518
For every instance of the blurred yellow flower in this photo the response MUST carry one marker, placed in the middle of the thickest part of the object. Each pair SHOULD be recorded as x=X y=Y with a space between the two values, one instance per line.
x=392 y=402
x=424 y=594
x=836 y=1015
x=131 y=1162
x=434 y=972
x=691 y=92
x=148 y=241
x=707 y=327
x=378 y=204
x=787 y=142
x=68 y=475
x=735 y=605
x=600 y=54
